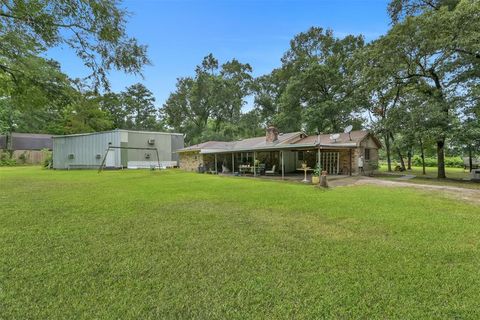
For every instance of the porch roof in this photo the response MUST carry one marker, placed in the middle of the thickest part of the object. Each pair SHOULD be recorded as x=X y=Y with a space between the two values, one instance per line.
x=291 y=146
x=287 y=141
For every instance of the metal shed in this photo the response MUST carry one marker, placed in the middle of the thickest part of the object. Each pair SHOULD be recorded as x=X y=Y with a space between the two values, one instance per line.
x=87 y=150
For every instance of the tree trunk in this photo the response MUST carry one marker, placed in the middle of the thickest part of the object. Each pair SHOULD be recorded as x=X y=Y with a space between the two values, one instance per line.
x=387 y=148
x=441 y=141
x=441 y=159
x=422 y=155
x=470 y=159
x=400 y=156
x=409 y=160
x=399 y=152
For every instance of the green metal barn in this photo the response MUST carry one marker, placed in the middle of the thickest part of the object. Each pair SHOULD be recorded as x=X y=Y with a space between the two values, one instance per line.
x=116 y=149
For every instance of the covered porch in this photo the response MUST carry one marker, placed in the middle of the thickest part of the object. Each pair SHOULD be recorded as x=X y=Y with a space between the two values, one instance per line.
x=283 y=163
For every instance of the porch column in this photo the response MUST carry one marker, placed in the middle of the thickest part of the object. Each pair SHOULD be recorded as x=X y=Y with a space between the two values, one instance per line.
x=283 y=166
x=350 y=161
x=233 y=163
x=216 y=170
x=254 y=169
x=319 y=162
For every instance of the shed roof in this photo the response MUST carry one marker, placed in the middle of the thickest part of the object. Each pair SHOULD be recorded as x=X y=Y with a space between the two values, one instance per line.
x=28 y=141
x=116 y=130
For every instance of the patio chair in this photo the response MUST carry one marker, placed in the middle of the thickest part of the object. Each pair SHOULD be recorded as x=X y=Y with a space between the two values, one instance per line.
x=225 y=169
x=271 y=171
x=261 y=168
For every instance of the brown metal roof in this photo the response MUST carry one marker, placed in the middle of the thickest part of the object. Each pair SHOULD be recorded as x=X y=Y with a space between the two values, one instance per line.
x=354 y=137
x=292 y=140
x=250 y=143
x=28 y=141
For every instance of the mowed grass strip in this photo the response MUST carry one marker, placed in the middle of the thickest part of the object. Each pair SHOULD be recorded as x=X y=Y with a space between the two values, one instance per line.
x=142 y=244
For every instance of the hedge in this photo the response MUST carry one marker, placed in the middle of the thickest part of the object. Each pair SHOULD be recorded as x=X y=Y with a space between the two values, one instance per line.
x=453 y=162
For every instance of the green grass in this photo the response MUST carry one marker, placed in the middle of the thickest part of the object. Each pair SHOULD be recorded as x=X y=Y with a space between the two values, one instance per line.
x=431 y=172
x=174 y=245
x=455 y=177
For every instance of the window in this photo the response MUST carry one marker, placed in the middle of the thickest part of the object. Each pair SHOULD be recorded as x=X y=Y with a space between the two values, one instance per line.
x=367 y=154
x=300 y=155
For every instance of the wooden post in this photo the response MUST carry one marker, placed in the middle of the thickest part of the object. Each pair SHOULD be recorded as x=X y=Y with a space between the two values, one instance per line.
x=283 y=167
x=103 y=160
x=254 y=160
x=216 y=170
x=233 y=163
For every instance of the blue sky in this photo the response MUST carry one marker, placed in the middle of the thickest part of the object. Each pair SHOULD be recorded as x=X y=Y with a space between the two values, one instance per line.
x=179 y=33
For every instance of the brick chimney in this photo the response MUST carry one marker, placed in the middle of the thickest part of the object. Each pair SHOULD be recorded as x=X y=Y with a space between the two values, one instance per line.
x=272 y=134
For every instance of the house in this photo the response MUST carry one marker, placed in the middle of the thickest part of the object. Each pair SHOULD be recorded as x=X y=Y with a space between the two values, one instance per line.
x=27 y=147
x=116 y=149
x=285 y=152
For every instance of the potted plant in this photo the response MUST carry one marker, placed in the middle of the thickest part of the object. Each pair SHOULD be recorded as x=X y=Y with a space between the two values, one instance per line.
x=316 y=175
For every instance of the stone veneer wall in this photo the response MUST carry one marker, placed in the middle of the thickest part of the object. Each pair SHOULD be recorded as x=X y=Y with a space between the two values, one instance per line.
x=368 y=164
x=189 y=161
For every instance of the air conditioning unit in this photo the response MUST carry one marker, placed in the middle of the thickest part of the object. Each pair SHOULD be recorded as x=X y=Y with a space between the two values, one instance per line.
x=151 y=141
x=71 y=156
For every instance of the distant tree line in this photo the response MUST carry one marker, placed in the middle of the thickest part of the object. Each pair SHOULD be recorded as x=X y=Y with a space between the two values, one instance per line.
x=417 y=87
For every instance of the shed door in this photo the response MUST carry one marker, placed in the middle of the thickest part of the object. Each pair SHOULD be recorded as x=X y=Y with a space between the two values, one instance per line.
x=110 y=160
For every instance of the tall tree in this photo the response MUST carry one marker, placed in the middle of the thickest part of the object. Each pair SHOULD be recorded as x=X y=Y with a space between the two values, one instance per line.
x=95 y=30
x=112 y=104
x=446 y=74
x=139 y=106
x=315 y=88
x=211 y=99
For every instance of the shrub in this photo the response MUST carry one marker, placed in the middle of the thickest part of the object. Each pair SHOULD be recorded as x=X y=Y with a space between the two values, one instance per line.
x=23 y=157
x=6 y=160
x=454 y=162
x=47 y=158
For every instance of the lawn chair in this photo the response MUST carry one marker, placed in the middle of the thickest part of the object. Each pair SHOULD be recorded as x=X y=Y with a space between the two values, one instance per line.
x=260 y=169
x=267 y=172
x=225 y=169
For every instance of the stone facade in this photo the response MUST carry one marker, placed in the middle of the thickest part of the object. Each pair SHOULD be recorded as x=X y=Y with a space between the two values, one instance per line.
x=190 y=161
x=370 y=164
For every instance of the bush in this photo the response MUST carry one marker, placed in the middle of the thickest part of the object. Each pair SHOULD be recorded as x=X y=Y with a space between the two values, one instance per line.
x=5 y=159
x=23 y=157
x=47 y=158
x=453 y=162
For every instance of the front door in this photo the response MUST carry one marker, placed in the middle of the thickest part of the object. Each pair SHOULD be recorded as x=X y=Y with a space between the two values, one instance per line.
x=110 y=160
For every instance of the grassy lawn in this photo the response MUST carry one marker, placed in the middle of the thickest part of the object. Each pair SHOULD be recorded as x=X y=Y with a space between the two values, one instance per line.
x=454 y=177
x=431 y=172
x=142 y=244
